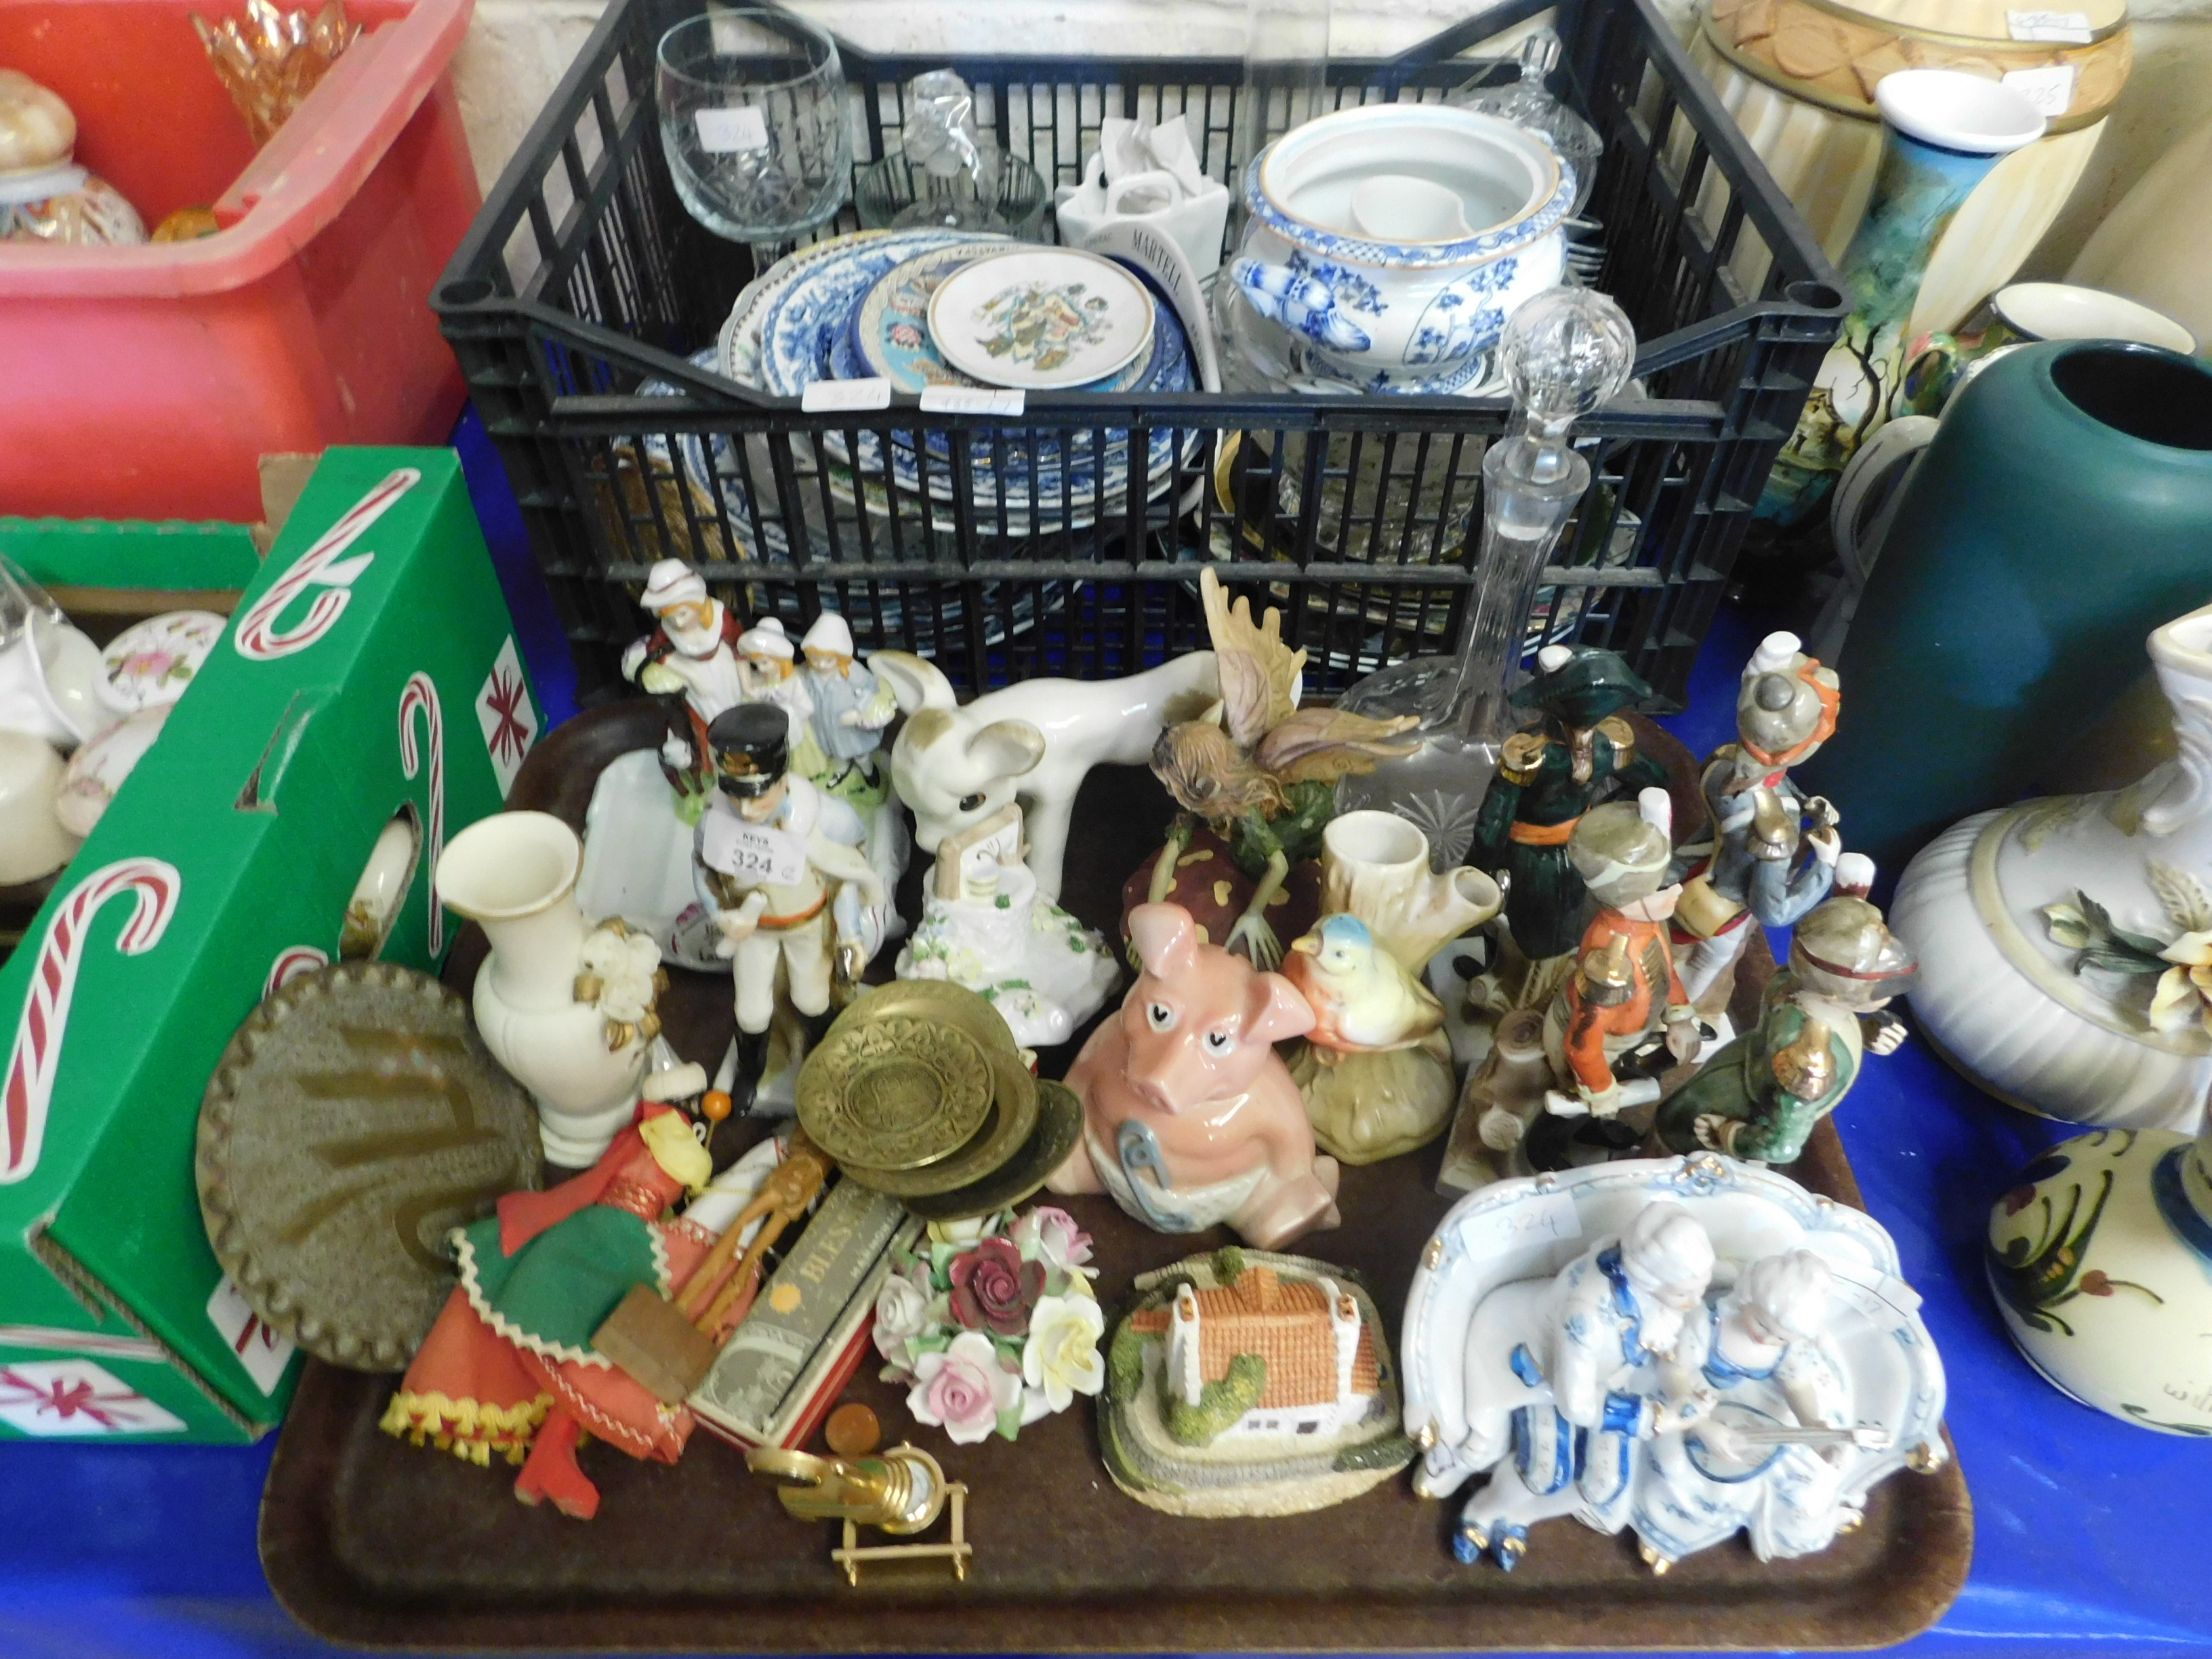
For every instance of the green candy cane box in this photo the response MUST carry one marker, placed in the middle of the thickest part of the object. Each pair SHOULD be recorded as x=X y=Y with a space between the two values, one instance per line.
x=369 y=671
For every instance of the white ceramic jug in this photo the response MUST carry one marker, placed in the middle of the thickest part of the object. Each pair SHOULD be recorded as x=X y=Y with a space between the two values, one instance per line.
x=515 y=873
x=1999 y=993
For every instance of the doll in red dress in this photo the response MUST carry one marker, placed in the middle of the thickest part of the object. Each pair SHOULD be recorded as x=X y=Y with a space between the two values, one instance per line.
x=509 y=1366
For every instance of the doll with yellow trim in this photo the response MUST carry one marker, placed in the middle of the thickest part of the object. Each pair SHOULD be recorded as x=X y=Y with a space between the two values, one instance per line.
x=509 y=1366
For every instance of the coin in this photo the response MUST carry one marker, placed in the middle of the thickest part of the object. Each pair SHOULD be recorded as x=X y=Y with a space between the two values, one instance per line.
x=1013 y=1121
x=1059 y=1125
x=894 y=1092
x=852 y=1430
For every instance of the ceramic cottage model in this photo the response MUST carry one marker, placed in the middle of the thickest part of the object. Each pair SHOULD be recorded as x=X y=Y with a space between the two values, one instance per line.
x=2061 y=941
x=567 y=1008
x=1245 y=1383
x=1189 y=1119
x=1683 y=1349
x=2101 y=1258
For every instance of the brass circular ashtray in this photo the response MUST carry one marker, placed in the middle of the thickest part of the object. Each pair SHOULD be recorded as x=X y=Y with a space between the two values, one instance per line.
x=1012 y=1122
x=894 y=1092
x=1060 y=1126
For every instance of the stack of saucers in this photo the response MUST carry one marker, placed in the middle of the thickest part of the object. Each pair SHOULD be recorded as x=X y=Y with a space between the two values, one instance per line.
x=918 y=1091
x=949 y=307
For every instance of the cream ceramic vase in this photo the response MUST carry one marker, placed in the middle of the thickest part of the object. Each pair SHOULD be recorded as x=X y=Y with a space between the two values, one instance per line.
x=1374 y=866
x=2100 y=1257
x=514 y=874
x=2156 y=245
x=2000 y=996
x=1799 y=76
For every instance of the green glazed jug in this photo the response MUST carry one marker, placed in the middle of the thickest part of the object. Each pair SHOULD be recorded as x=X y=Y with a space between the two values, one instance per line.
x=2061 y=511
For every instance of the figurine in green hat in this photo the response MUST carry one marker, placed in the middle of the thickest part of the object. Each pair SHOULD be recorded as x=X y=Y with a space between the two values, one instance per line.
x=1551 y=773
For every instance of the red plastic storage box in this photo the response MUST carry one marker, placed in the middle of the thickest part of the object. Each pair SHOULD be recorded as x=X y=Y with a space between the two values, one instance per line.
x=147 y=382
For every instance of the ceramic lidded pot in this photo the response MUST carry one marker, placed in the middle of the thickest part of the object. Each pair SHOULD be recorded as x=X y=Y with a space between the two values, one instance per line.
x=2062 y=940
x=2100 y=1257
x=1393 y=241
x=44 y=196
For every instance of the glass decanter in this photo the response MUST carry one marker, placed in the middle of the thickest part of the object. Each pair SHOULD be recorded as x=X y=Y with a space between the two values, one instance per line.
x=1564 y=353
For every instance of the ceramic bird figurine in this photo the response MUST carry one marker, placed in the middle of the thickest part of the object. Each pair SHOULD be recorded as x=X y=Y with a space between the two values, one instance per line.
x=1257 y=769
x=1364 y=1001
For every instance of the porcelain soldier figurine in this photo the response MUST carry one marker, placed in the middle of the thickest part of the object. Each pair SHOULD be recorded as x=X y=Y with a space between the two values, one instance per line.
x=1759 y=1096
x=1625 y=986
x=1588 y=1370
x=781 y=867
x=1548 y=776
x=690 y=653
x=1773 y=854
x=851 y=707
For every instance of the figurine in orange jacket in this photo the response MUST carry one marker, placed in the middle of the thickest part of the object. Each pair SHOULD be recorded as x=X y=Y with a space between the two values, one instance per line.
x=1625 y=984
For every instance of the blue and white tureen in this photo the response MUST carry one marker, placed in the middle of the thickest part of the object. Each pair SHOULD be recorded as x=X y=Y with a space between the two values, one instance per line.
x=1393 y=241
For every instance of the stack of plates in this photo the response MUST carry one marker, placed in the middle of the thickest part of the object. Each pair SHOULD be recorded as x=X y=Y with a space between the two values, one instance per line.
x=861 y=306
x=919 y=1090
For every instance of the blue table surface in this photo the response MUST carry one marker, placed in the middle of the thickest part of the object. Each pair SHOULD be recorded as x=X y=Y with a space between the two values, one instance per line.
x=2089 y=1534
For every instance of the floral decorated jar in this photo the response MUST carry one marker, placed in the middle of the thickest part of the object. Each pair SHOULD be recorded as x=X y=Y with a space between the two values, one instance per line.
x=1393 y=241
x=2100 y=1256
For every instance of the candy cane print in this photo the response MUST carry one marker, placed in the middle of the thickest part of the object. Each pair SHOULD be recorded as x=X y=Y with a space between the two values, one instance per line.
x=422 y=693
x=38 y=1052
x=257 y=637
x=293 y=961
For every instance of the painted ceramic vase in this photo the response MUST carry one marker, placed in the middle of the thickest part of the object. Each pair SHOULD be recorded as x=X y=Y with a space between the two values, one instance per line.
x=1376 y=866
x=1372 y=269
x=2100 y=1257
x=1796 y=74
x=2057 y=939
x=1944 y=130
x=1983 y=642
x=549 y=1000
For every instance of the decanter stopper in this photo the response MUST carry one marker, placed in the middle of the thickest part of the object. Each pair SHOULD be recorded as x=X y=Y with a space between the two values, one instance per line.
x=1564 y=353
x=940 y=125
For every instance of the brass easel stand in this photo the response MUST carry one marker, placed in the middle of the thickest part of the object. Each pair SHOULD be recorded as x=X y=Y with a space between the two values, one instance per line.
x=900 y=1493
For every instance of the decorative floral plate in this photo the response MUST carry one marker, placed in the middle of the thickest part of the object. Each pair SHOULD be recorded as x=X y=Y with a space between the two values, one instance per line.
x=1042 y=318
x=150 y=664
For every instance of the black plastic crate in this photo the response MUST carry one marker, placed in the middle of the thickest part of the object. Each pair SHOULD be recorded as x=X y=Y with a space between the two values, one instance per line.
x=583 y=280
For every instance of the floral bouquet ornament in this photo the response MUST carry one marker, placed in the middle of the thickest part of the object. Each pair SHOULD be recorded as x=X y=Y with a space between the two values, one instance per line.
x=993 y=1323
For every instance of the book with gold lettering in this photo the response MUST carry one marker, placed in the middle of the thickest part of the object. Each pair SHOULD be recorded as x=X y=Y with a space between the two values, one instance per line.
x=808 y=1331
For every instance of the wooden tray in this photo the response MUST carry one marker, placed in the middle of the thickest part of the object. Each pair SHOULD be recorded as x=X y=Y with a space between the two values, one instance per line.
x=369 y=1541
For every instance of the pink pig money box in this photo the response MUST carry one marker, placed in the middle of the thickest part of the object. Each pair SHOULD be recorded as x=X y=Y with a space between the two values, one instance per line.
x=1189 y=1119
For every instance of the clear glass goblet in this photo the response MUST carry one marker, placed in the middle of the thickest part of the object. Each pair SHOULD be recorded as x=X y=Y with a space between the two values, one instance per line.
x=753 y=121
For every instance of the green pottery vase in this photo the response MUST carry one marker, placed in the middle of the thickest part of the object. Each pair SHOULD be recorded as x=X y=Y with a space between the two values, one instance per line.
x=2064 y=510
